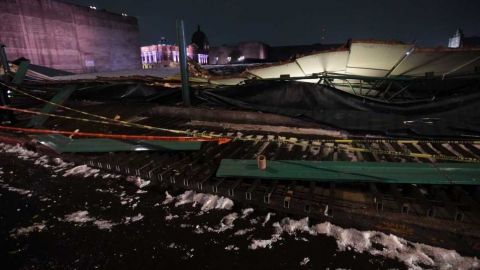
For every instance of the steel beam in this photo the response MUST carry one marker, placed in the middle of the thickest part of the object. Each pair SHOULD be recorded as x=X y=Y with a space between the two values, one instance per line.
x=182 y=47
x=62 y=144
x=59 y=98
x=4 y=63
x=349 y=172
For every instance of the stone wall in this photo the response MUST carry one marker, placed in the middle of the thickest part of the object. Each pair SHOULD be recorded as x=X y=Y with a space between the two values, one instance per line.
x=74 y=38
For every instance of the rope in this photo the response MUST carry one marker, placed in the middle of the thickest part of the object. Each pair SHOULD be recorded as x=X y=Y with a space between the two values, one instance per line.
x=117 y=136
x=119 y=122
x=56 y=116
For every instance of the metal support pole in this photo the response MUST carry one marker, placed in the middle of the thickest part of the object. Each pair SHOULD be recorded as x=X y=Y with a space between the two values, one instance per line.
x=183 y=62
x=6 y=117
x=4 y=63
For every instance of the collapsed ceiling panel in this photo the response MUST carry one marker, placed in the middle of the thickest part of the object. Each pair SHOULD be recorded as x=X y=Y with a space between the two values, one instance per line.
x=439 y=62
x=292 y=69
x=332 y=61
x=369 y=58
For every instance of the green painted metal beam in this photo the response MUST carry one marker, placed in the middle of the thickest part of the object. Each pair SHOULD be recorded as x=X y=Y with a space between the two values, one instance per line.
x=38 y=120
x=62 y=144
x=21 y=72
x=183 y=62
x=349 y=172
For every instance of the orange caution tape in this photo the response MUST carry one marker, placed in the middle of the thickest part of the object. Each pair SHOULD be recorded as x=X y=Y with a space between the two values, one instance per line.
x=220 y=140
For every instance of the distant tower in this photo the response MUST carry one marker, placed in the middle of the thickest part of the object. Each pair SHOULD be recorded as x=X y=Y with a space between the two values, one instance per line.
x=456 y=40
x=200 y=39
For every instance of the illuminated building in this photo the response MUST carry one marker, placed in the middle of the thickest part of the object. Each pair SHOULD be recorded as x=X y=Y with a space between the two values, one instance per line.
x=164 y=54
x=459 y=40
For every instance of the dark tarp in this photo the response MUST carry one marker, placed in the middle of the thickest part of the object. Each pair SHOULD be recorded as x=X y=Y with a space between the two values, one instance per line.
x=127 y=91
x=452 y=116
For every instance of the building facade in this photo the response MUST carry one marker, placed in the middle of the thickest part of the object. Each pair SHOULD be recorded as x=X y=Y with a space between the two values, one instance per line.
x=69 y=37
x=163 y=55
x=459 y=40
x=258 y=52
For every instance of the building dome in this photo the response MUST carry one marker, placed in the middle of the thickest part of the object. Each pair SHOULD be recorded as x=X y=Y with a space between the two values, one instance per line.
x=200 y=39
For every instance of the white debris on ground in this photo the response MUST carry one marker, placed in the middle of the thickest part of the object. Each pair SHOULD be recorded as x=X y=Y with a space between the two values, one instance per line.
x=231 y=247
x=83 y=217
x=133 y=219
x=21 y=152
x=244 y=231
x=414 y=255
x=36 y=227
x=264 y=243
x=304 y=261
x=188 y=252
x=225 y=224
x=267 y=218
x=137 y=181
x=170 y=217
x=173 y=245
x=168 y=198
x=68 y=169
x=206 y=201
x=78 y=217
x=254 y=221
x=17 y=190
x=246 y=212
x=81 y=170
x=104 y=224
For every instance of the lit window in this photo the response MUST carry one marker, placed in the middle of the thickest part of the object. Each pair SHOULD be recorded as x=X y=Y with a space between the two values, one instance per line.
x=241 y=58
x=93 y=7
x=229 y=59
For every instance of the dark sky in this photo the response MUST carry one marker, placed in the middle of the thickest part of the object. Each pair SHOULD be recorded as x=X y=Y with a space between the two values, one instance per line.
x=277 y=22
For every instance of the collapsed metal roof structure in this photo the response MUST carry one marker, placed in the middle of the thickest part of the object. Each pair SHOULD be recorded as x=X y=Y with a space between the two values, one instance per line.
x=328 y=153
x=375 y=68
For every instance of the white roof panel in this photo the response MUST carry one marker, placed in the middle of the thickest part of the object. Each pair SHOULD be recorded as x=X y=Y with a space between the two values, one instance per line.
x=374 y=56
x=332 y=61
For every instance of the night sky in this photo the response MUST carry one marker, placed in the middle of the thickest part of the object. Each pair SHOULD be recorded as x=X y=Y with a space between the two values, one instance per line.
x=428 y=22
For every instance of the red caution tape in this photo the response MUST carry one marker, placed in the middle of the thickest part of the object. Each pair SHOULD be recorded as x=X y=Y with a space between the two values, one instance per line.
x=220 y=140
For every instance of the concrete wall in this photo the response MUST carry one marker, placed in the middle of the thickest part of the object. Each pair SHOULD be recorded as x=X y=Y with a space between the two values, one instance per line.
x=69 y=37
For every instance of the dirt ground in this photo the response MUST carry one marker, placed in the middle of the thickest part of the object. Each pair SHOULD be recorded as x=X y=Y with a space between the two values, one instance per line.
x=123 y=228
